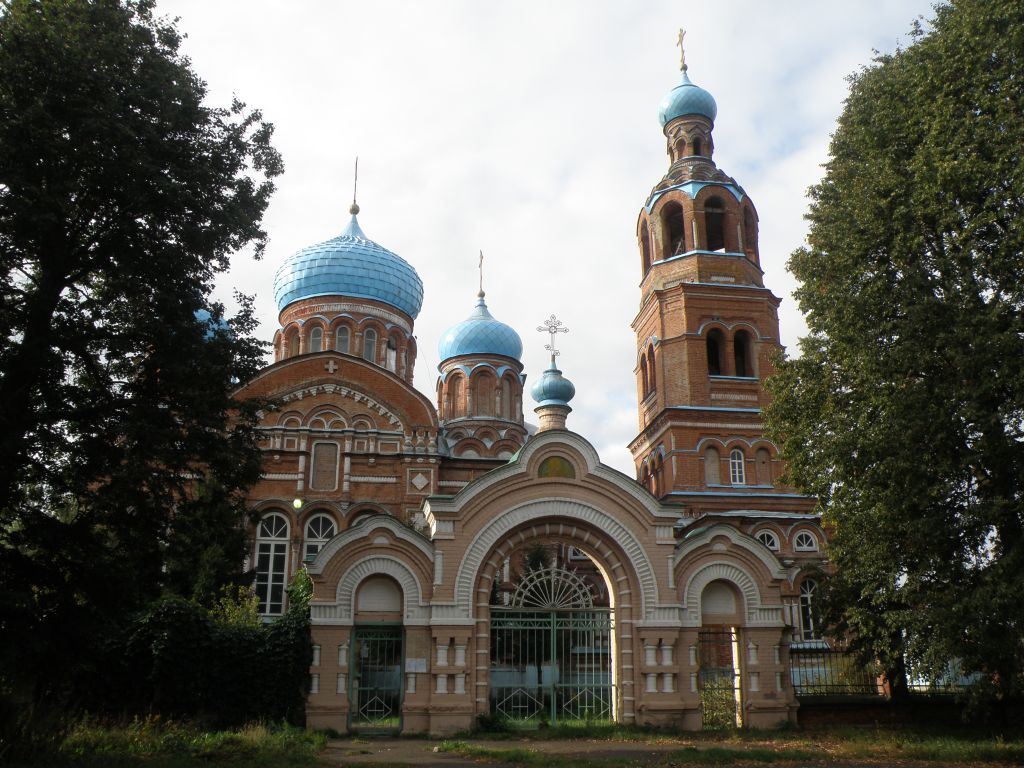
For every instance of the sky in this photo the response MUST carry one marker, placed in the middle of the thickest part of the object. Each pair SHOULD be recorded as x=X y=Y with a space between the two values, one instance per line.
x=529 y=130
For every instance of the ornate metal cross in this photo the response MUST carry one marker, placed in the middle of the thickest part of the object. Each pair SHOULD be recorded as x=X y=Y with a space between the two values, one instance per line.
x=682 y=51
x=552 y=326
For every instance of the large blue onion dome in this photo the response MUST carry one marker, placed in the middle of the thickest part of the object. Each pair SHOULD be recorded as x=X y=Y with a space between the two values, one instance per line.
x=686 y=99
x=553 y=388
x=480 y=334
x=203 y=317
x=350 y=264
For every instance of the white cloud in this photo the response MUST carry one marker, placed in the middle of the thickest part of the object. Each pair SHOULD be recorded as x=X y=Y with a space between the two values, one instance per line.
x=529 y=130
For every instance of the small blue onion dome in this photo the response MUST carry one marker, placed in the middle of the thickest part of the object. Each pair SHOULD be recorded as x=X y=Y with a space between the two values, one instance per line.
x=480 y=334
x=553 y=388
x=203 y=317
x=350 y=264
x=686 y=99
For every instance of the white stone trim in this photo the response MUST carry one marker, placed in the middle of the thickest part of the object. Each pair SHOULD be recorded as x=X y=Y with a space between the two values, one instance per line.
x=549 y=510
x=362 y=531
x=342 y=611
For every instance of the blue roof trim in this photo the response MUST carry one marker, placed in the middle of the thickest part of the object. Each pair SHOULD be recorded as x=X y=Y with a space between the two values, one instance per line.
x=692 y=188
x=747 y=495
x=711 y=408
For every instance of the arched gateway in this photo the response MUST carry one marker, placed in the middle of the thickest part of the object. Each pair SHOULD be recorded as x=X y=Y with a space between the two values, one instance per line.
x=539 y=597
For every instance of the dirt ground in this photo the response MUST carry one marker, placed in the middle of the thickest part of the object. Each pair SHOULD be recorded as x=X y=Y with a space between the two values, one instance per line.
x=421 y=752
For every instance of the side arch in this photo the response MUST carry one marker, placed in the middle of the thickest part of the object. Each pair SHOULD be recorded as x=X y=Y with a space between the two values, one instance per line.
x=415 y=610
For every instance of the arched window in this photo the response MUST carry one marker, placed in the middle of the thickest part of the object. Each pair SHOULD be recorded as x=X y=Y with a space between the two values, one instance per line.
x=506 y=399
x=716 y=343
x=673 y=228
x=764 y=467
x=741 y=353
x=293 y=344
x=737 y=467
x=749 y=231
x=392 y=353
x=805 y=541
x=652 y=379
x=645 y=384
x=645 y=246
x=808 y=611
x=316 y=340
x=680 y=147
x=697 y=146
x=455 y=397
x=370 y=345
x=714 y=224
x=769 y=539
x=484 y=396
x=271 y=563
x=712 y=466
x=341 y=339
x=319 y=530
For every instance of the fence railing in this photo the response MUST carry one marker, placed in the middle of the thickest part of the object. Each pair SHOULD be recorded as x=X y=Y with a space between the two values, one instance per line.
x=828 y=672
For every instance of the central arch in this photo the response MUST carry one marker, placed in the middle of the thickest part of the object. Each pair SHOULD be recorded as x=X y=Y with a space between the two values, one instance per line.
x=616 y=555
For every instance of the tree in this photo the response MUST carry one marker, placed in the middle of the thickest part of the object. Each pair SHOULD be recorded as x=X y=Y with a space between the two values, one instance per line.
x=904 y=413
x=122 y=196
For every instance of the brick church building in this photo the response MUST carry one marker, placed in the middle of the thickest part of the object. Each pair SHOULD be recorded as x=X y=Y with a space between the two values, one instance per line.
x=467 y=564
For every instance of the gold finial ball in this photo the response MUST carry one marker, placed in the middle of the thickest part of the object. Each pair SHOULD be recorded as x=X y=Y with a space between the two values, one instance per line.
x=353 y=209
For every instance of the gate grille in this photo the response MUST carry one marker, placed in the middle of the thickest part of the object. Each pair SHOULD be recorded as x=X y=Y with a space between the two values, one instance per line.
x=719 y=679
x=375 y=693
x=551 y=666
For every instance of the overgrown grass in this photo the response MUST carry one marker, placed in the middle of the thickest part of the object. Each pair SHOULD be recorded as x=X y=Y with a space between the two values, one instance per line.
x=749 y=747
x=154 y=743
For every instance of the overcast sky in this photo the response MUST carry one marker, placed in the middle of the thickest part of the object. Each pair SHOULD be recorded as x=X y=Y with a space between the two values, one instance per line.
x=529 y=129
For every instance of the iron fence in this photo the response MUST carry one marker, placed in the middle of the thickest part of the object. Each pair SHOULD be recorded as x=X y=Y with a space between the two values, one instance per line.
x=828 y=672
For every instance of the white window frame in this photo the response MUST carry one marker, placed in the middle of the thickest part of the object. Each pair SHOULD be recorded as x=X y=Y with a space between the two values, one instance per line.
x=370 y=345
x=809 y=542
x=772 y=544
x=272 y=534
x=314 y=543
x=316 y=340
x=340 y=332
x=737 y=467
x=808 y=626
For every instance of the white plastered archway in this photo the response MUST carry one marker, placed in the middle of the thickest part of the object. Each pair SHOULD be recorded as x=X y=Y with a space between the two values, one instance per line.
x=415 y=611
x=551 y=510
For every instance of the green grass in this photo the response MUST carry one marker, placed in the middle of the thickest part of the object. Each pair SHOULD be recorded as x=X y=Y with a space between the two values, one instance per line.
x=153 y=743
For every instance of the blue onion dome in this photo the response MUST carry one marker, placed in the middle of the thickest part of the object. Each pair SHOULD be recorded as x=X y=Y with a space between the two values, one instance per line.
x=203 y=317
x=350 y=264
x=480 y=334
x=686 y=99
x=553 y=388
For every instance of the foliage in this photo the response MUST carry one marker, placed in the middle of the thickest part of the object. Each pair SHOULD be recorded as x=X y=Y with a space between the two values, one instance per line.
x=125 y=459
x=236 y=606
x=904 y=413
x=157 y=743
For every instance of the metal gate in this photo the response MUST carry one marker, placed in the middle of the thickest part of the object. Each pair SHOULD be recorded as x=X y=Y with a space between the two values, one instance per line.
x=551 y=666
x=375 y=689
x=551 y=653
x=719 y=678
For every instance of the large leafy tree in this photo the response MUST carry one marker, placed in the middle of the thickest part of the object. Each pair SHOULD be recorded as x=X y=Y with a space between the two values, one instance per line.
x=904 y=413
x=122 y=456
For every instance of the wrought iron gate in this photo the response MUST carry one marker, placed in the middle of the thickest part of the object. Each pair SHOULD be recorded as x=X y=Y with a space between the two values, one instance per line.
x=551 y=666
x=551 y=653
x=375 y=690
x=719 y=678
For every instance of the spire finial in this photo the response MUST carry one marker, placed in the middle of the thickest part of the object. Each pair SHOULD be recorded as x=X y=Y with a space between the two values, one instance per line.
x=682 y=51
x=552 y=326
x=354 y=208
x=480 y=293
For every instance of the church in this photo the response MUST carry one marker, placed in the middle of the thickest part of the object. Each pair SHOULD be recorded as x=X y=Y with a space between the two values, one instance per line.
x=468 y=565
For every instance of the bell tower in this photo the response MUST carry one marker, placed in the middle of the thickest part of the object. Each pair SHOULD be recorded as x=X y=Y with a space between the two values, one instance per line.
x=707 y=327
